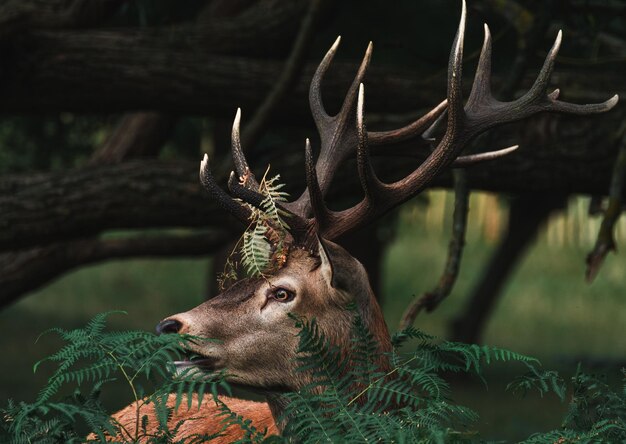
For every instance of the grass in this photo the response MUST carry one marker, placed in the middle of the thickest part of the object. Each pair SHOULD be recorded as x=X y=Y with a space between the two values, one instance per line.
x=547 y=308
x=546 y=311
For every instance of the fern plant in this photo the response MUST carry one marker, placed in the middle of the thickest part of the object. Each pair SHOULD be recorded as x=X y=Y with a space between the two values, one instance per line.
x=256 y=250
x=262 y=247
x=349 y=399
x=93 y=356
x=408 y=403
x=596 y=413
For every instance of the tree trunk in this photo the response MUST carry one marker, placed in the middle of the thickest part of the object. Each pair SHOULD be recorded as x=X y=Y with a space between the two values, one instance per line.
x=138 y=135
x=527 y=214
x=87 y=201
x=178 y=71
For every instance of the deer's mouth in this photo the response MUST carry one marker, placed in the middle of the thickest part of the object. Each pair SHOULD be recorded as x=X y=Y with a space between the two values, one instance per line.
x=193 y=360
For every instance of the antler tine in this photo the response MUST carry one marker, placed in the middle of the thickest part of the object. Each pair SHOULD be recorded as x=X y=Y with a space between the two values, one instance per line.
x=321 y=117
x=455 y=74
x=321 y=214
x=407 y=132
x=239 y=159
x=389 y=195
x=483 y=111
x=473 y=159
x=248 y=195
x=337 y=133
x=229 y=204
x=348 y=101
x=450 y=145
x=370 y=183
x=481 y=88
x=315 y=90
x=541 y=83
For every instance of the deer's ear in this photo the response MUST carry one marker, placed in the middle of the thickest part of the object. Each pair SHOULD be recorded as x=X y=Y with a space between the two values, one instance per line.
x=332 y=267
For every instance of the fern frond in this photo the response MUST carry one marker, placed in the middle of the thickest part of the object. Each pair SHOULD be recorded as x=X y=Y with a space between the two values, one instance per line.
x=256 y=251
x=543 y=381
x=348 y=399
x=399 y=338
x=273 y=191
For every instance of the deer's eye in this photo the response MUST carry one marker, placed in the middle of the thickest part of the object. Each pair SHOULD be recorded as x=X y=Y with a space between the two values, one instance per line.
x=282 y=295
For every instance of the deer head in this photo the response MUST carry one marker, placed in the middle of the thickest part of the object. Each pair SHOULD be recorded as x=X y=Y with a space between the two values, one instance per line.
x=257 y=341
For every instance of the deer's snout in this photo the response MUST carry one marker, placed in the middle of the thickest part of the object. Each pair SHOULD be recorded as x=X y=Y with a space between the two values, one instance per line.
x=169 y=326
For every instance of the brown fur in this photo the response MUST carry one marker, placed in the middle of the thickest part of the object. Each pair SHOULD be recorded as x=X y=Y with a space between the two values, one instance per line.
x=198 y=421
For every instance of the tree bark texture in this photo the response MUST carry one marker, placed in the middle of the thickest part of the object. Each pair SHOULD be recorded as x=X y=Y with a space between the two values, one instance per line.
x=87 y=201
x=180 y=70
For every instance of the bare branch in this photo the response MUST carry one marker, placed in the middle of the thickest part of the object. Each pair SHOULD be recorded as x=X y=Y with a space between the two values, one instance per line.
x=137 y=135
x=526 y=216
x=293 y=68
x=86 y=201
x=41 y=208
x=606 y=240
x=431 y=300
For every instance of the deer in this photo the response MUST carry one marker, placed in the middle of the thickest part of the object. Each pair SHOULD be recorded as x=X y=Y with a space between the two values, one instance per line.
x=319 y=279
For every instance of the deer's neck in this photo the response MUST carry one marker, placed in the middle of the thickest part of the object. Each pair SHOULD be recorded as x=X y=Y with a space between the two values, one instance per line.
x=277 y=402
x=373 y=319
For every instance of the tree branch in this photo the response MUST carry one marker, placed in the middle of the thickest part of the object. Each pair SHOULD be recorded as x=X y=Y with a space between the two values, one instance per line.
x=606 y=240
x=431 y=300
x=90 y=200
x=178 y=72
x=23 y=272
x=21 y=15
x=46 y=208
x=288 y=77
x=137 y=135
x=527 y=214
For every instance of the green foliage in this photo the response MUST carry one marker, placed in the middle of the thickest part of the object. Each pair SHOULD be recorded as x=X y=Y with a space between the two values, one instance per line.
x=263 y=241
x=357 y=400
x=94 y=356
x=262 y=247
x=411 y=402
x=256 y=250
x=351 y=396
x=596 y=413
x=274 y=194
x=43 y=143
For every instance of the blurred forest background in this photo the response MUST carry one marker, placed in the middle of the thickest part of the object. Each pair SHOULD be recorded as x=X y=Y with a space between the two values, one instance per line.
x=108 y=105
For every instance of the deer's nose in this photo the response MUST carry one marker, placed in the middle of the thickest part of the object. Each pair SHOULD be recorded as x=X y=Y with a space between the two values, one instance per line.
x=169 y=326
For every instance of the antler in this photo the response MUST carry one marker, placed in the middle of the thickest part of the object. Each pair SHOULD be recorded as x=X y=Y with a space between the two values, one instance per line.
x=340 y=137
x=339 y=140
x=481 y=113
x=338 y=133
